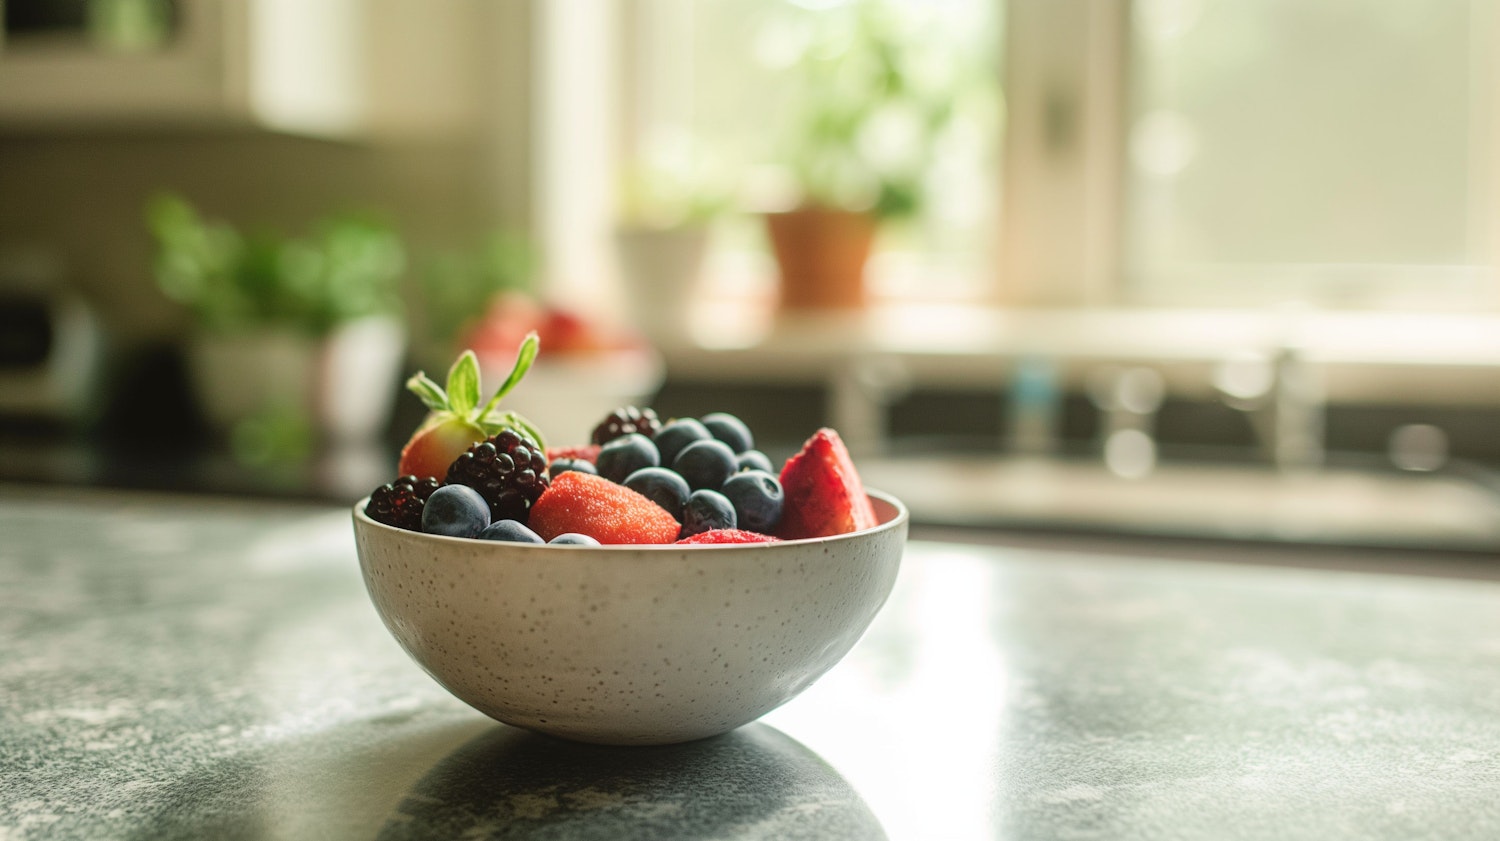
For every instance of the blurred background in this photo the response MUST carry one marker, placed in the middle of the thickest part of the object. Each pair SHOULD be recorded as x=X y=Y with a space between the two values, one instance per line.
x=1175 y=268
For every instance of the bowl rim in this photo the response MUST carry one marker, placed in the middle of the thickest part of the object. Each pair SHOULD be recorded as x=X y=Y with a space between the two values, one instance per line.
x=900 y=520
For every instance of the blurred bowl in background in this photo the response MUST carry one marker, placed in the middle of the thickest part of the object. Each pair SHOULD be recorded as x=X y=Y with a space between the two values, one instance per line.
x=567 y=395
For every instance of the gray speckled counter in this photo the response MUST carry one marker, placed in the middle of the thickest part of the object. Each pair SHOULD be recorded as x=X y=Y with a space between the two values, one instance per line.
x=174 y=668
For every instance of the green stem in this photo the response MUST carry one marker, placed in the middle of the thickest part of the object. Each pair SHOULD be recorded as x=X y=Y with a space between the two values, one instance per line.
x=524 y=357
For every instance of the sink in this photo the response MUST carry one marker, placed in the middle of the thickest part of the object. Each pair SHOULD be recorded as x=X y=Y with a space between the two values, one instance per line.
x=1356 y=505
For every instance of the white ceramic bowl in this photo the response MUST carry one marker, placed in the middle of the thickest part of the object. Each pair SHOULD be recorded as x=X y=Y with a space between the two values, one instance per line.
x=636 y=645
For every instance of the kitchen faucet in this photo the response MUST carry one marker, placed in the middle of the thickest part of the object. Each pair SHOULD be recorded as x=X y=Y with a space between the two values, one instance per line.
x=1283 y=396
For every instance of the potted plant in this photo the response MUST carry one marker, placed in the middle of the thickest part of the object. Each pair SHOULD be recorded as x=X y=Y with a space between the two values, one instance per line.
x=874 y=101
x=295 y=329
x=667 y=207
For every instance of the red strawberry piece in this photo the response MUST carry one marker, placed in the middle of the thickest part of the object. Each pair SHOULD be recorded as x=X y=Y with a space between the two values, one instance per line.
x=587 y=452
x=586 y=504
x=718 y=537
x=824 y=495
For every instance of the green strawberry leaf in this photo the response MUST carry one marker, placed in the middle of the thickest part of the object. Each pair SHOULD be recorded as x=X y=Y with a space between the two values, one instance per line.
x=463 y=384
x=430 y=393
x=524 y=357
x=494 y=423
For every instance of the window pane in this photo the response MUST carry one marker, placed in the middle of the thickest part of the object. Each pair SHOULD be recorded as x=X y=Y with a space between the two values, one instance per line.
x=718 y=88
x=1332 y=151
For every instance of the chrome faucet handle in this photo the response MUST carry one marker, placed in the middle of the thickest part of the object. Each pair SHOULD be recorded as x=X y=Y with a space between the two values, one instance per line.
x=1299 y=415
x=1282 y=395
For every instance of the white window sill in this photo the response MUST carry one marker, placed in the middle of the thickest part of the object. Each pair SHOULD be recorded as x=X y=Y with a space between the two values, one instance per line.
x=1365 y=357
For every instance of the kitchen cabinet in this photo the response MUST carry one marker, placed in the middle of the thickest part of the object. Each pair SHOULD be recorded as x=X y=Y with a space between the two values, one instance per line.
x=340 y=69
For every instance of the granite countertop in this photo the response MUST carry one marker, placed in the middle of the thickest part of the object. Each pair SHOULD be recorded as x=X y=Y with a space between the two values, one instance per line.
x=173 y=667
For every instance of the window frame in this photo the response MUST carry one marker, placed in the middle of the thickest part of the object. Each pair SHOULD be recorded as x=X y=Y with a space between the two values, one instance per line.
x=1062 y=179
x=1064 y=214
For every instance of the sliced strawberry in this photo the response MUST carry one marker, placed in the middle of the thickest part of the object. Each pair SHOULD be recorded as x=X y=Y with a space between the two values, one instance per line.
x=586 y=452
x=586 y=504
x=719 y=537
x=824 y=495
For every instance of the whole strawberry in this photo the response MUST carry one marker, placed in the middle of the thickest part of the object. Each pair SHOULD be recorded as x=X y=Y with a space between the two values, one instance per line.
x=456 y=420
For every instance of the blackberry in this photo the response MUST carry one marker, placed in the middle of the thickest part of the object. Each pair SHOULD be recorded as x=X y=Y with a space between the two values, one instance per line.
x=509 y=471
x=400 y=503
x=626 y=420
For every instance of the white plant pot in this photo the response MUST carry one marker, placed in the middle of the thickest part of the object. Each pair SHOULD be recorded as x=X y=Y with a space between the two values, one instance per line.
x=344 y=383
x=661 y=269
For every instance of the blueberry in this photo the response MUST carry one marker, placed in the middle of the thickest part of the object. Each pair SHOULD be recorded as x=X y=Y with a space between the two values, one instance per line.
x=679 y=433
x=707 y=510
x=456 y=511
x=560 y=466
x=757 y=498
x=625 y=455
x=510 y=531
x=574 y=539
x=754 y=460
x=705 y=464
x=662 y=486
x=729 y=429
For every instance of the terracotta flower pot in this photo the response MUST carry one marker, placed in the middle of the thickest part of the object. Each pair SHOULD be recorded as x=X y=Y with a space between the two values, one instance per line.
x=822 y=255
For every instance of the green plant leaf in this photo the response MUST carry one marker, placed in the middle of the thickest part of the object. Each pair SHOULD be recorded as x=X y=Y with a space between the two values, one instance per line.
x=463 y=383
x=231 y=279
x=525 y=355
x=430 y=393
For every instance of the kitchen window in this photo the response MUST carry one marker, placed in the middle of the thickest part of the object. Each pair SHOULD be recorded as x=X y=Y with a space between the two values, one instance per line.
x=1337 y=152
x=713 y=94
x=1204 y=153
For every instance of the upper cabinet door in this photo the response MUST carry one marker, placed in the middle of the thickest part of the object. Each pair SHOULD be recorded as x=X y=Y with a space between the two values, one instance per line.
x=289 y=66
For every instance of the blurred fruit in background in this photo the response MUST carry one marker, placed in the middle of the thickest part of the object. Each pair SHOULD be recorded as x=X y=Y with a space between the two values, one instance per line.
x=586 y=366
x=511 y=315
x=454 y=287
x=487 y=298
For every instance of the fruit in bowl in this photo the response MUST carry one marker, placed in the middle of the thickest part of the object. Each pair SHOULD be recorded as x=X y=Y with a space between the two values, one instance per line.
x=682 y=599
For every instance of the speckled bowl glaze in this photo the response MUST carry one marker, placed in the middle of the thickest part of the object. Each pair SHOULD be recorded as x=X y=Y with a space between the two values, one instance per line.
x=629 y=645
